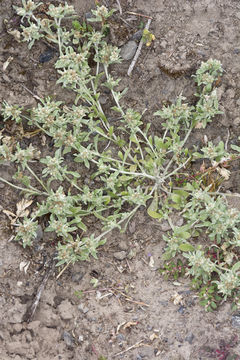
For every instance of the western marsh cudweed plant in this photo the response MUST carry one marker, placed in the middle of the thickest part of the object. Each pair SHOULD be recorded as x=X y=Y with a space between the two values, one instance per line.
x=128 y=166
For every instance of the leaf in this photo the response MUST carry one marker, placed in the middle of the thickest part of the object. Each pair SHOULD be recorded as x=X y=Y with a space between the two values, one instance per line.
x=111 y=130
x=213 y=305
x=184 y=194
x=23 y=266
x=176 y=198
x=76 y=25
x=151 y=262
x=186 y=247
x=101 y=131
x=115 y=108
x=21 y=207
x=134 y=139
x=167 y=255
x=235 y=147
x=236 y=266
x=81 y=226
x=120 y=154
x=154 y=214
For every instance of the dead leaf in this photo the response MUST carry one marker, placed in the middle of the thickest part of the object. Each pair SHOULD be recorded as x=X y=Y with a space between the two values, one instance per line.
x=16 y=34
x=224 y=173
x=6 y=63
x=12 y=217
x=153 y=337
x=151 y=262
x=177 y=298
x=129 y=324
x=22 y=206
x=24 y=265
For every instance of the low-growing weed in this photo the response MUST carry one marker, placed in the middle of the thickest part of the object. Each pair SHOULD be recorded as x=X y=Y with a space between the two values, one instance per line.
x=127 y=167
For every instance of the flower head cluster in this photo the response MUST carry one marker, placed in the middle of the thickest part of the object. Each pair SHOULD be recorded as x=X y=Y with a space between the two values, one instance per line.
x=61 y=11
x=109 y=54
x=26 y=231
x=28 y=8
x=31 y=33
x=11 y=112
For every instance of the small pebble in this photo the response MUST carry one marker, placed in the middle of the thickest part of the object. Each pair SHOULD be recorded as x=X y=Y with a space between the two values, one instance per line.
x=83 y=309
x=120 y=255
x=236 y=320
x=68 y=339
x=137 y=36
x=80 y=338
x=181 y=309
x=88 y=15
x=46 y=56
x=120 y=337
x=236 y=51
x=128 y=50
x=189 y=338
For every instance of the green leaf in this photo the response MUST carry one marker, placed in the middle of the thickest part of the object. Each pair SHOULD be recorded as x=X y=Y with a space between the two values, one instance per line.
x=236 y=266
x=110 y=132
x=120 y=154
x=101 y=131
x=184 y=194
x=115 y=108
x=81 y=226
x=213 y=305
x=154 y=214
x=176 y=198
x=134 y=139
x=186 y=247
x=167 y=255
x=76 y=25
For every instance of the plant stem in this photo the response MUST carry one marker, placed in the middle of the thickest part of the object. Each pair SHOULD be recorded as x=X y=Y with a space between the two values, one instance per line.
x=36 y=177
x=58 y=23
x=33 y=192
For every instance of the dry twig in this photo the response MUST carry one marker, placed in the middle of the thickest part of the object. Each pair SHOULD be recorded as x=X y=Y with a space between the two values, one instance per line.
x=138 y=344
x=137 y=14
x=30 y=92
x=136 y=56
x=31 y=311
x=119 y=6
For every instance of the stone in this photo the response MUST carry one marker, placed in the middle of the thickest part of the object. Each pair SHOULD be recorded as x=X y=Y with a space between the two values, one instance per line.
x=83 y=309
x=236 y=51
x=237 y=14
x=236 y=121
x=236 y=320
x=128 y=50
x=120 y=255
x=189 y=338
x=137 y=36
x=68 y=339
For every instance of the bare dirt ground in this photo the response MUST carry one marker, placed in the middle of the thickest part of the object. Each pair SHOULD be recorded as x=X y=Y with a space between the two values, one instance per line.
x=132 y=313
